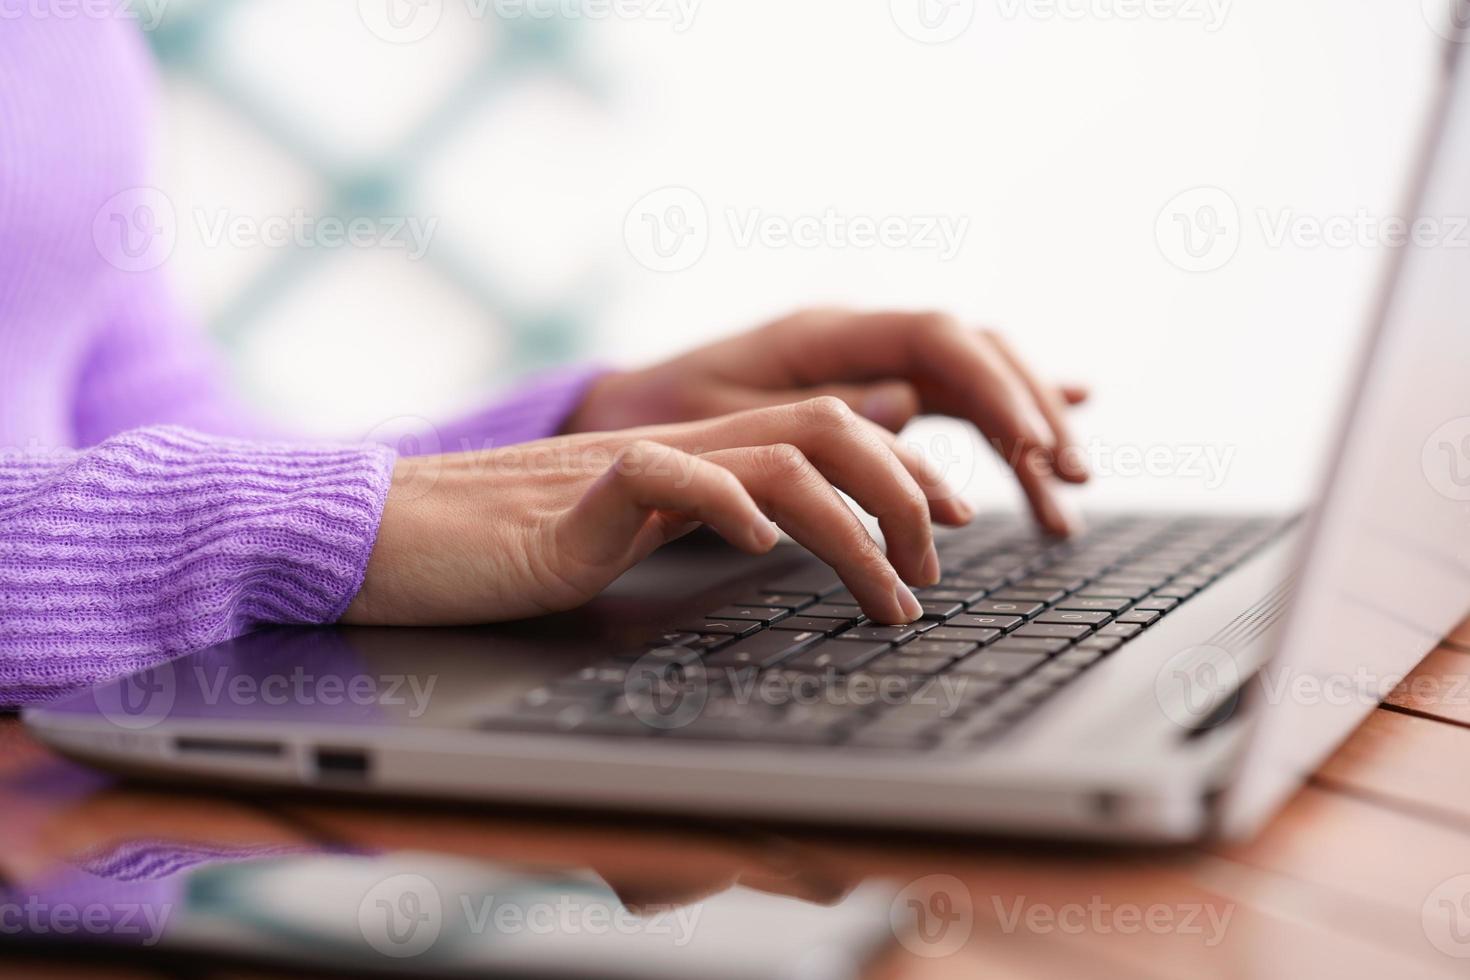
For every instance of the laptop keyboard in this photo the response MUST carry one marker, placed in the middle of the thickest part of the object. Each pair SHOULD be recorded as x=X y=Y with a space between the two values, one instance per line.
x=1014 y=619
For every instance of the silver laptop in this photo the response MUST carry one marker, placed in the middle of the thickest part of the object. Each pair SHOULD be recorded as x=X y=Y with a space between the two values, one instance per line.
x=1161 y=678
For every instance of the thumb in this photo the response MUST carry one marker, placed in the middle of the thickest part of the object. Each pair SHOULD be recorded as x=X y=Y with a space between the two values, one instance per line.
x=891 y=404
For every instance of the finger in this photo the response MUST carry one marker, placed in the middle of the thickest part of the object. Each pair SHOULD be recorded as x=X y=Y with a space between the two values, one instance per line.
x=945 y=505
x=618 y=518
x=848 y=452
x=1075 y=394
x=1033 y=473
x=799 y=498
x=891 y=404
x=1066 y=454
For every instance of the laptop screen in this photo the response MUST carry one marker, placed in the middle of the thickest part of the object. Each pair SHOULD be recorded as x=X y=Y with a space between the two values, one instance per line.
x=1386 y=573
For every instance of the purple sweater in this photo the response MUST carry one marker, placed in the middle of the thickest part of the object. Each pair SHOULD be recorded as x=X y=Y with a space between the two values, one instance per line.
x=143 y=511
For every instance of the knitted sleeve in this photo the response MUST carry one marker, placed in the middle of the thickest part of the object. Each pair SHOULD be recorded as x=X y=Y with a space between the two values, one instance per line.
x=161 y=540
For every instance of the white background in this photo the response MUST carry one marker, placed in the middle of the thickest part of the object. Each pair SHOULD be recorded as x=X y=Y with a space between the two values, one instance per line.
x=1060 y=136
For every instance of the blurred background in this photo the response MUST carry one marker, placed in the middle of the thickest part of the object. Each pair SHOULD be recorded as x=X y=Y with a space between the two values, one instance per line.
x=1129 y=189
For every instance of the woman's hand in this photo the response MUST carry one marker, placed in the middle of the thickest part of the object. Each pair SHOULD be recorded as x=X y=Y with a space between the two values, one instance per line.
x=888 y=367
x=545 y=526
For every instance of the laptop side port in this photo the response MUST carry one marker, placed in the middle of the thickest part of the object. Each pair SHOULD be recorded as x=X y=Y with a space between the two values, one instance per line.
x=342 y=765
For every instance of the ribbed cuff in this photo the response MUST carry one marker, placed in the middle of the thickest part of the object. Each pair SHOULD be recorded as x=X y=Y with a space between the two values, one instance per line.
x=161 y=540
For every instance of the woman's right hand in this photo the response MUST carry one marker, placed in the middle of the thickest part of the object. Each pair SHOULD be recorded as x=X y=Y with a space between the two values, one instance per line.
x=544 y=526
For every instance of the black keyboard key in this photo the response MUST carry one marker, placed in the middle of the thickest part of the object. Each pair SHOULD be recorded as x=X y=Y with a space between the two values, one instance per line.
x=1052 y=631
x=1143 y=617
x=1092 y=603
x=668 y=655
x=999 y=664
x=762 y=650
x=879 y=634
x=939 y=648
x=941 y=609
x=1079 y=656
x=1100 y=644
x=947 y=593
x=721 y=627
x=1124 y=630
x=993 y=607
x=900 y=661
x=1117 y=590
x=842 y=658
x=787 y=601
x=677 y=639
x=970 y=621
x=1032 y=644
x=1064 y=617
x=754 y=614
x=822 y=610
x=1157 y=603
x=1175 y=591
x=1044 y=596
x=821 y=625
x=964 y=635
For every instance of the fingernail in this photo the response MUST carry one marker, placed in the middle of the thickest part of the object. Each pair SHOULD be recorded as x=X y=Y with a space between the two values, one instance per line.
x=906 y=602
x=931 y=567
x=766 y=534
x=965 y=508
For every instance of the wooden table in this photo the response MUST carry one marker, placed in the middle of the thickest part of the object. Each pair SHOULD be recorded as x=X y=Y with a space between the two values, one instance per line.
x=1358 y=877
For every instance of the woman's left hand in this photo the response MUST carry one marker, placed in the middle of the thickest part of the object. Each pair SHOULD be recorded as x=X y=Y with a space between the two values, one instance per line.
x=889 y=367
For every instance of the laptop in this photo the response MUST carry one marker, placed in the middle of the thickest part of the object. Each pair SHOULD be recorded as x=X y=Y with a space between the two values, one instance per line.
x=1161 y=678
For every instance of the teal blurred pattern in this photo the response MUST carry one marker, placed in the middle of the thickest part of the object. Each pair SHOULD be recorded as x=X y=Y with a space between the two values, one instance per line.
x=187 y=38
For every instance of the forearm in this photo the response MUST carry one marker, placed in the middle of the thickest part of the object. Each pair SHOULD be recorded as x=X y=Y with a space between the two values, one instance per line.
x=160 y=540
